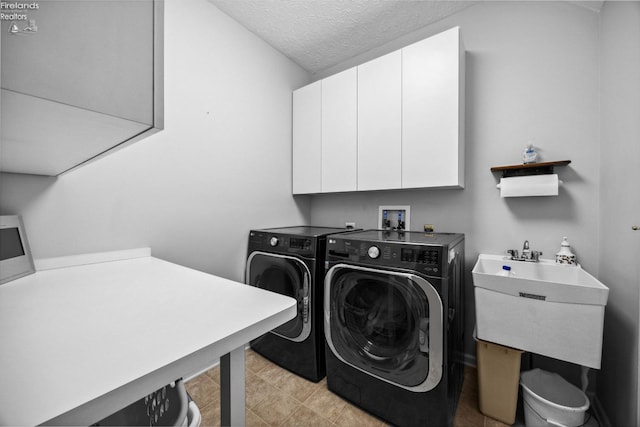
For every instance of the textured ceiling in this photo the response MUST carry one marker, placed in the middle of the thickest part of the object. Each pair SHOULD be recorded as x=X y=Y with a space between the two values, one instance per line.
x=318 y=34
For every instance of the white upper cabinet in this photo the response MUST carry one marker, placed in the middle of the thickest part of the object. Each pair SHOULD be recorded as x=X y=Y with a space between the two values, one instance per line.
x=339 y=131
x=433 y=112
x=307 y=134
x=380 y=123
x=391 y=123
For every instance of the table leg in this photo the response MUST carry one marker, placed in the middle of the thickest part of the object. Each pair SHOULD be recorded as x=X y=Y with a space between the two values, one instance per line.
x=232 y=394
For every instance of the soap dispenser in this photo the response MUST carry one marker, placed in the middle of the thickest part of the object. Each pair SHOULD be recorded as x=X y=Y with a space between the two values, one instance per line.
x=529 y=154
x=565 y=256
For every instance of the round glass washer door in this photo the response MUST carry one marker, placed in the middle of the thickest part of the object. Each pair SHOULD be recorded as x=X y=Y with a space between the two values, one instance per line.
x=288 y=276
x=385 y=323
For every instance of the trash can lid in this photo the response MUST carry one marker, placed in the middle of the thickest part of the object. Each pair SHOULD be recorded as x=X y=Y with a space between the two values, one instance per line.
x=552 y=387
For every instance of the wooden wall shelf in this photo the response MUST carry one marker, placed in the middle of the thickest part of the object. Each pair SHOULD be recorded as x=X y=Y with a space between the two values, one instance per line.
x=529 y=168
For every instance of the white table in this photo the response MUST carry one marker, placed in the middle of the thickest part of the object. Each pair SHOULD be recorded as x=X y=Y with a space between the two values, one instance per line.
x=81 y=338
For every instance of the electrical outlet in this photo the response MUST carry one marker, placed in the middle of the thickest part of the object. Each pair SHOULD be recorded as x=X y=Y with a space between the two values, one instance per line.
x=396 y=217
x=350 y=225
x=428 y=228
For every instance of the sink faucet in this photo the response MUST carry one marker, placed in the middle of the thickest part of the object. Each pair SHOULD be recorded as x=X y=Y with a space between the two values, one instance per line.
x=527 y=254
x=534 y=256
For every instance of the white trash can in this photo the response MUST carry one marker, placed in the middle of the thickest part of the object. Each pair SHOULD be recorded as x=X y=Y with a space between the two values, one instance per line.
x=550 y=400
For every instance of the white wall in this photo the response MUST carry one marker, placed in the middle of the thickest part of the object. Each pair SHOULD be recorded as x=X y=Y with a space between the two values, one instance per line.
x=191 y=192
x=620 y=208
x=532 y=72
x=222 y=165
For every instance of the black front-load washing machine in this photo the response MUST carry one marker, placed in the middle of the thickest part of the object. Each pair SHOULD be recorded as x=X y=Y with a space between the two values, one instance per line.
x=290 y=261
x=393 y=314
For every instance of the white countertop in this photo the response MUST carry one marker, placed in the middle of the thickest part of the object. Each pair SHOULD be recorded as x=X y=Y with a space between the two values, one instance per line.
x=93 y=338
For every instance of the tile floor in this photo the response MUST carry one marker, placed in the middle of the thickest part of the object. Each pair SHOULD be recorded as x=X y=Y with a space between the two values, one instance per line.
x=276 y=397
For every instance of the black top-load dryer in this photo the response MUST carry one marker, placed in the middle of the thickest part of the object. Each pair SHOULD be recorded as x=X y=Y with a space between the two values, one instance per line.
x=290 y=261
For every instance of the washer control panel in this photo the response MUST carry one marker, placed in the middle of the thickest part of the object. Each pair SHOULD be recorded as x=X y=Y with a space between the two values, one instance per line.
x=281 y=243
x=427 y=255
x=373 y=252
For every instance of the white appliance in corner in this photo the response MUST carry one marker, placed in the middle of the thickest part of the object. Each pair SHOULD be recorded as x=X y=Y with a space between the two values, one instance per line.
x=15 y=255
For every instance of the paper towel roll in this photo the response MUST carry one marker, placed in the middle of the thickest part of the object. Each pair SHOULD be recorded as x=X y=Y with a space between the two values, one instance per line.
x=530 y=185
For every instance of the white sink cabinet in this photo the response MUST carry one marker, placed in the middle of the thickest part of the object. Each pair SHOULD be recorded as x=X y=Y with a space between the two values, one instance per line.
x=546 y=308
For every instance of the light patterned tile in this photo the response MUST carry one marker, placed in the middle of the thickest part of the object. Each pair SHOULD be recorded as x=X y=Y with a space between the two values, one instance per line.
x=274 y=396
x=254 y=361
x=290 y=383
x=304 y=416
x=210 y=415
x=273 y=373
x=214 y=374
x=326 y=403
x=253 y=420
x=469 y=397
x=469 y=384
x=203 y=390
x=467 y=415
x=490 y=422
x=354 y=416
x=256 y=390
x=276 y=407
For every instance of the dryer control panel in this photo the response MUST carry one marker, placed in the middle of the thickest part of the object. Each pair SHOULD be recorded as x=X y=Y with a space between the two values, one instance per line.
x=423 y=258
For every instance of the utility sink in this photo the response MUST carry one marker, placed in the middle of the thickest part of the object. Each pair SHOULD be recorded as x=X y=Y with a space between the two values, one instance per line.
x=546 y=308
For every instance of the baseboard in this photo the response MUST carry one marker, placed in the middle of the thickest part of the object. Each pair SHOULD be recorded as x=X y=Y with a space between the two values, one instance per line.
x=469 y=360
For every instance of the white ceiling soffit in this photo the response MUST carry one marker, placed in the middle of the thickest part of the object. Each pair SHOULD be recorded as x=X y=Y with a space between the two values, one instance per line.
x=318 y=34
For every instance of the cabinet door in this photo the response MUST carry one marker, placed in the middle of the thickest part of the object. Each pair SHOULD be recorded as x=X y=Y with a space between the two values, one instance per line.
x=339 y=131
x=433 y=112
x=379 y=123
x=307 y=145
x=98 y=56
x=87 y=83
